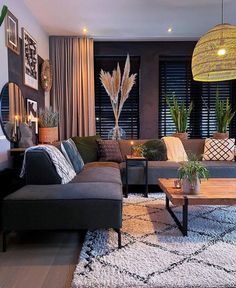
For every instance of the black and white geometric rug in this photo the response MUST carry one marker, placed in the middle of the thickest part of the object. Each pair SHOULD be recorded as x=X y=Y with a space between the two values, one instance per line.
x=155 y=254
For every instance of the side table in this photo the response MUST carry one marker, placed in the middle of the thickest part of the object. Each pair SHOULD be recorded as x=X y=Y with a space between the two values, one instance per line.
x=130 y=159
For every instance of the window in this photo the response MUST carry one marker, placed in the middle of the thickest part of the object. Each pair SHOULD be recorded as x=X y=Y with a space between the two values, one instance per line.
x=176 y=79
x=129 y=118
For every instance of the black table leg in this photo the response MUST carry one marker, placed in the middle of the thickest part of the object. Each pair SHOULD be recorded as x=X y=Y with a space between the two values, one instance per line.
x=185 y=217
x=126 y=179
x=4 y=241
x=183 y=227
x=119 y=237
x=146 y=179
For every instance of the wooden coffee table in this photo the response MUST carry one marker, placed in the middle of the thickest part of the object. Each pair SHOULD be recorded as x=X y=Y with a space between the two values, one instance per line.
x=215 y=191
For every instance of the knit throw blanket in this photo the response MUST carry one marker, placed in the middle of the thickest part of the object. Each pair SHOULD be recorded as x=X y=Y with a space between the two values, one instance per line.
x=175 y=149
x=63 y=168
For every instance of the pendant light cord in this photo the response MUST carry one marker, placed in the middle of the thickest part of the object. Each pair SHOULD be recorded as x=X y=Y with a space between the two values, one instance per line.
x=222 y=11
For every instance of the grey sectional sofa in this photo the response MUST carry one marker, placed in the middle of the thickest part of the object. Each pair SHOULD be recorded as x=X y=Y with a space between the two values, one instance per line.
x=168 y=169
x=93 y=199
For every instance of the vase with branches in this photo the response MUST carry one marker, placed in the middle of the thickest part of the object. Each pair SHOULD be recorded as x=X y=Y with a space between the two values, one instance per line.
x=118 y=89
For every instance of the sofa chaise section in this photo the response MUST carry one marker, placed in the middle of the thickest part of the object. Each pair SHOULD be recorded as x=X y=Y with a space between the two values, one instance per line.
x=71 y=206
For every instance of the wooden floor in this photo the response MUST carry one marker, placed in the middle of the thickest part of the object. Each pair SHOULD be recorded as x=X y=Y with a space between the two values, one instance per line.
x=40 y=259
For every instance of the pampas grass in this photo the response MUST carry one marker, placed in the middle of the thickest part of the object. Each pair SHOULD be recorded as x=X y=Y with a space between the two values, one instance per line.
x=117 y=89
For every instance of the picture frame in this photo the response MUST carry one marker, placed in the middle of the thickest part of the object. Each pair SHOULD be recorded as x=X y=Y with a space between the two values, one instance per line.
x=11 y=33
x=32 y=110
x=30 y=60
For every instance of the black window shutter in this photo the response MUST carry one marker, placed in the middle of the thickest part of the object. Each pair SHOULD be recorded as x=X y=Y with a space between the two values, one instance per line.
x=129 y=118
x=176 y=79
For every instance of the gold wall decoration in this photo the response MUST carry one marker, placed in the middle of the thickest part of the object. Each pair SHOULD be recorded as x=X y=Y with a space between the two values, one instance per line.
x=46 y=76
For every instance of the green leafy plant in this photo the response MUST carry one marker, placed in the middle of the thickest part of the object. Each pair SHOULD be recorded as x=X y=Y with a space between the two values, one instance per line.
x=179 y=113
x=224 y=114
x=48 y=118
x=138 y=148
x=3 y=14
x=191 y=169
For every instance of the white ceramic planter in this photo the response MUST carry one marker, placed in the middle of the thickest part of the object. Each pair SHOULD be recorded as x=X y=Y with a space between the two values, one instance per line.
x=191 y=188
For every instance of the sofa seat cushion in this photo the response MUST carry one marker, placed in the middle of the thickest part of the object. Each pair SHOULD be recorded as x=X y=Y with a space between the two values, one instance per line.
x=221 y=169
x=156 y=169
x=70 y=191
x=70 y=206
x=99 y=172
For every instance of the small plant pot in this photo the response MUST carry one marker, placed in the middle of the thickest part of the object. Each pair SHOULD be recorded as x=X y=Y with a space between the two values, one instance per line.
x=191 y=188
x=181 y=136
x=48 y=135
x=218 y=135
x=136 y=153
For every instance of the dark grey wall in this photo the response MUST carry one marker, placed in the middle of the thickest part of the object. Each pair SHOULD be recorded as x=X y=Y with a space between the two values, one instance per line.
x=149 y=53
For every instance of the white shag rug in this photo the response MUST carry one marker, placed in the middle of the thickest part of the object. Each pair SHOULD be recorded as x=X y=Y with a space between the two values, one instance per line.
x=155 y=254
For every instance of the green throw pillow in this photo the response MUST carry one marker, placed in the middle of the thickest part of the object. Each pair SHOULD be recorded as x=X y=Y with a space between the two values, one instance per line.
x=87 y=147
x=155 y=150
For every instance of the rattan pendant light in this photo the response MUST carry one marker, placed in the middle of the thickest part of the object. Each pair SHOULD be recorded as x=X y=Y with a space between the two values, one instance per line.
x=214 y=56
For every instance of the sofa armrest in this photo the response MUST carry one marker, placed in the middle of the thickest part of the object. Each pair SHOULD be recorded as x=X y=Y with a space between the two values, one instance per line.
x=39 y=169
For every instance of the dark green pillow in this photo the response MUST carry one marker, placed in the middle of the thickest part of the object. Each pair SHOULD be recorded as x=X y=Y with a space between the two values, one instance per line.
x=87 y=147
x=155 y=150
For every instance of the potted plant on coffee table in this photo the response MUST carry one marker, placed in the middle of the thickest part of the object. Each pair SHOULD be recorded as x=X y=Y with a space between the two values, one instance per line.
x=190 y=173
x=180 y=115
x=224 y=116
x=48 y=125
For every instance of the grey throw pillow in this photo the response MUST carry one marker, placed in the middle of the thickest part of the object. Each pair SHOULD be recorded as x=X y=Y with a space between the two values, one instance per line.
x=72 y=155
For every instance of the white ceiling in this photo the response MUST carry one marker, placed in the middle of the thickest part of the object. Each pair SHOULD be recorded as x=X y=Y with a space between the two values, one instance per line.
x=132 y=19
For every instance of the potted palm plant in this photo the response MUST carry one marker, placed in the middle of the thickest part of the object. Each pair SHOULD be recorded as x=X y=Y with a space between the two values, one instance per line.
x=180 y=115
x=48 y=125
x=190 y=174
x=224 y=116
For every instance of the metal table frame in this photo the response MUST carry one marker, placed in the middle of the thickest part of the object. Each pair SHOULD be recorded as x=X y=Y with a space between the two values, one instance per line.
x=183 y=227
x=140 y=159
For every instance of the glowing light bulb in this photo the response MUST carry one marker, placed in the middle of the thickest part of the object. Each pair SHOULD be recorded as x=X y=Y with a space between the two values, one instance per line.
x=221 y=52
x=169 y=30
x=85 y=30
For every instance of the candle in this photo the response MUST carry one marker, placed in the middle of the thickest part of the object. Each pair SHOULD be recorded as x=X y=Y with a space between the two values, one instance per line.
x=17 y=120
x=36 y=126
x=29 y=120
x=131 y=143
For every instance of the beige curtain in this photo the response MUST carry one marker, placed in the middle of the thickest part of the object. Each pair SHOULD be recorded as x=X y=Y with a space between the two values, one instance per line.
x=72 y=94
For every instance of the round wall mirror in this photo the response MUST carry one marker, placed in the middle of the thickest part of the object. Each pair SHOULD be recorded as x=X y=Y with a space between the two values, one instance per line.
x=12 y=110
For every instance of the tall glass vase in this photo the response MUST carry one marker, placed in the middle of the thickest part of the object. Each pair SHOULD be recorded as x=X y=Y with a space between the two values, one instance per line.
x=117 y=132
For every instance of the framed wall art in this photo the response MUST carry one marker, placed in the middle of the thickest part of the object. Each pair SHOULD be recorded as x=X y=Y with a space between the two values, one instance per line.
x=30 y=60
x=32 y=110
x=11 y=31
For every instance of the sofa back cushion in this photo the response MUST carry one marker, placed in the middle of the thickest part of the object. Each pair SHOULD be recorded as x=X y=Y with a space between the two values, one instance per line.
x=72 y=155
x=87 y=147
x=194 y=147
x=63 y=168
x=109 y=150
